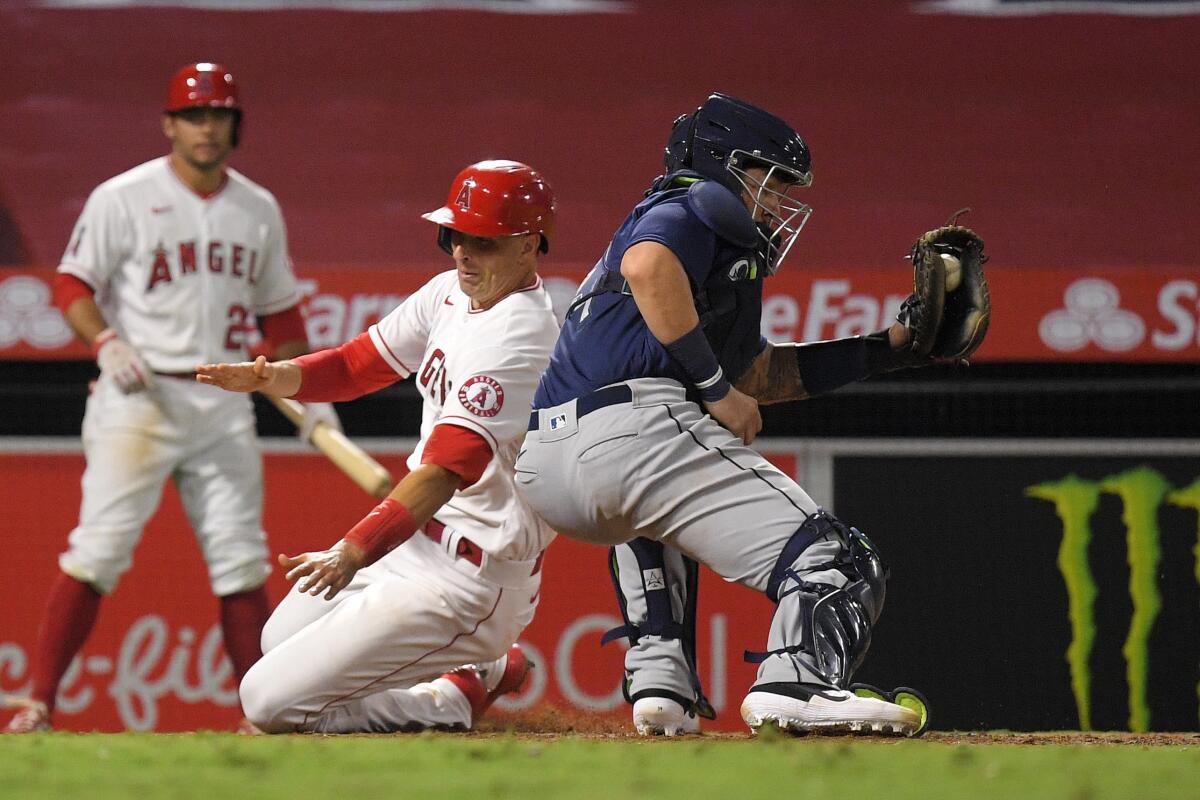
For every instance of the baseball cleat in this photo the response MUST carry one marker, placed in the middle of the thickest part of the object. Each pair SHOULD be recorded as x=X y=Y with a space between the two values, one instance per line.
x=662 y=716
x=516 y=668
x=467 y=680
x=808 y=707
x=904 y=696
x=472 y=681
x=33 y=716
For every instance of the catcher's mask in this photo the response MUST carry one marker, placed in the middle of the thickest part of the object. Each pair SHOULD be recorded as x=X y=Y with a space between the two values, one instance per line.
x=724 y=138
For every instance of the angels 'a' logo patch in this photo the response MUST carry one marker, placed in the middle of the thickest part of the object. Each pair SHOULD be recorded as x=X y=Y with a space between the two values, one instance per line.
x=482 y=396
x=464 y=194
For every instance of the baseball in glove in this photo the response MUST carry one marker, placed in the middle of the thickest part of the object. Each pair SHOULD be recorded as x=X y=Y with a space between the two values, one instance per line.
x=948 y=312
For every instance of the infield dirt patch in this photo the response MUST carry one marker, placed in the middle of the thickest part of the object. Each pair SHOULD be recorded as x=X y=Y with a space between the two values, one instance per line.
x=548 y=721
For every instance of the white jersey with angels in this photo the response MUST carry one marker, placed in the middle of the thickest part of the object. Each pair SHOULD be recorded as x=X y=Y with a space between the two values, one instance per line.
x=477 y=370
x=177 y=275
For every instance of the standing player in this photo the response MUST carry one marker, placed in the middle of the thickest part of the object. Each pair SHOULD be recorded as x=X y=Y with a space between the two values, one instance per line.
x=167 y=267
x=665 y=328
x=446 y=570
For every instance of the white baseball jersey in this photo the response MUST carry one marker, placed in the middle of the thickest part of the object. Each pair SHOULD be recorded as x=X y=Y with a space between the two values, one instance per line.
x=477 y=370
x=179 y=276
x=369 y=660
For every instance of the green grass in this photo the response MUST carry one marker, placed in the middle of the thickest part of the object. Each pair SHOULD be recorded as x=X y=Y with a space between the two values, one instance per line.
x=217 y=766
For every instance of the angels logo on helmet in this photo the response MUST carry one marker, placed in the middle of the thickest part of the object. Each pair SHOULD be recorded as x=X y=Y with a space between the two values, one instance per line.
x=464 y=194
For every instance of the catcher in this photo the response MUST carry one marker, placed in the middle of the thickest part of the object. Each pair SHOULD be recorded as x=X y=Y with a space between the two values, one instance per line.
x=643 y=419
x=944 y=320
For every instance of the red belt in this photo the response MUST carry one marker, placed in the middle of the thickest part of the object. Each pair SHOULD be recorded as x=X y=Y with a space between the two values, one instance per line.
x=466 y=549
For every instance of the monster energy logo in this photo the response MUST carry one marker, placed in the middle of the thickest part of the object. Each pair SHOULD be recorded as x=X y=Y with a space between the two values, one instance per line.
x=1141 y=491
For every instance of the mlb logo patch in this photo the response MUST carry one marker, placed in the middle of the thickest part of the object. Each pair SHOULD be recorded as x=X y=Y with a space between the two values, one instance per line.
x=558 y=421
x=653 y=579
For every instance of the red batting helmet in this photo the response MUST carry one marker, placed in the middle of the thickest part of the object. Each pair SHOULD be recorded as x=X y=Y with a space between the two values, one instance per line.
x=202 y=85
x=205 y=85
x=497 y=198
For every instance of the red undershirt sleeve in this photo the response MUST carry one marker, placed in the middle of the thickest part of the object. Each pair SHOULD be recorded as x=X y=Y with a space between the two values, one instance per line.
x=343 y=373
x=464 y=452
x=68 y=289
x=283 y=326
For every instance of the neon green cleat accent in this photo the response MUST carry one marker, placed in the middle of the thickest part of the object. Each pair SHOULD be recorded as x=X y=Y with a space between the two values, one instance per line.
x=916 y=702
x=904 y=696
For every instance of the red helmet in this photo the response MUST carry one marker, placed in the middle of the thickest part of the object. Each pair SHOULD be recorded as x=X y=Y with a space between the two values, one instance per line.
x=497 y=198
x=202 y=85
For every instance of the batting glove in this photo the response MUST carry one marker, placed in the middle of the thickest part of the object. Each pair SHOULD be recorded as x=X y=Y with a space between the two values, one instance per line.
x=121 y=361
x=316 y=413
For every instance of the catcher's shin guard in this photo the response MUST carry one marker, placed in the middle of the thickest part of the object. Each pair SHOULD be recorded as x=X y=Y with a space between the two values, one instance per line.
x=656 y=589
x=829 y=584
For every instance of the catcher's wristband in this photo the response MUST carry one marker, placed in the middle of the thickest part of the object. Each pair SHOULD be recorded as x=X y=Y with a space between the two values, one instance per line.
x=693 y=353
x=384 y=529
x=825 y=366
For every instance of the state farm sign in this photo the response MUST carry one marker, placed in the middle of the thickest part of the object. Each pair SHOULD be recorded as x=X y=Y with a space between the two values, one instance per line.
x=1110 y=314
x=1114 y=314
x=1092 y=315
x=835 y=308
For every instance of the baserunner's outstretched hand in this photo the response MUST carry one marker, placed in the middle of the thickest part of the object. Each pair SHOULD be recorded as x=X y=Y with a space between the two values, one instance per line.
x=245 y=376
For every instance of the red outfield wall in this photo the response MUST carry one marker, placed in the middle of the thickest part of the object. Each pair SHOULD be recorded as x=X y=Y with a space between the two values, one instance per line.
x=155 y=660
x=1074 y=136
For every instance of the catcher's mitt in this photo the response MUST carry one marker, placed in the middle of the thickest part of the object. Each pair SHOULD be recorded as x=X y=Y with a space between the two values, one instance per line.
x=947 y=315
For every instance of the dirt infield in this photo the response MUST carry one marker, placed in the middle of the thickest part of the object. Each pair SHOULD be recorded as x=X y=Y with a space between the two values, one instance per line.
x=551 y=722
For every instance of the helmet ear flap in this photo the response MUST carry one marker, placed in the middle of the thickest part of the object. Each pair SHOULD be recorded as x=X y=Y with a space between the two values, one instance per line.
x=678 y=153
x=237 y=127
x=443 y=240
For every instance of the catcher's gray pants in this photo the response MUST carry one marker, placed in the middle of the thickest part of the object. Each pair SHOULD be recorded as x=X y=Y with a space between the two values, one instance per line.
x=660 y=468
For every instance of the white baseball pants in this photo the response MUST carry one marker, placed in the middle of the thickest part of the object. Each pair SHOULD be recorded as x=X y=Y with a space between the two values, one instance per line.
x=369 y=659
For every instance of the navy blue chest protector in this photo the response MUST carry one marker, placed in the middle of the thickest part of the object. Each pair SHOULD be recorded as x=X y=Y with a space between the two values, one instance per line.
x=729 y=299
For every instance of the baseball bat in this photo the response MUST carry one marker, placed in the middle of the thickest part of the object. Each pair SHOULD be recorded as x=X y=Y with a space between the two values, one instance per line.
x=370 y=476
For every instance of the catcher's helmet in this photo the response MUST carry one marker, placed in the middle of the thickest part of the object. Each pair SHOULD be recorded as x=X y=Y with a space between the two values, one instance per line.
x=204 y=85
x=497 y=198
x=726 y=136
